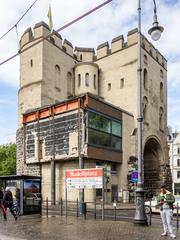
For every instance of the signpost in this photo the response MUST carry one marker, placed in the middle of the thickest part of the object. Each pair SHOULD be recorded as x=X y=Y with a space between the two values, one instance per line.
x=84 y=178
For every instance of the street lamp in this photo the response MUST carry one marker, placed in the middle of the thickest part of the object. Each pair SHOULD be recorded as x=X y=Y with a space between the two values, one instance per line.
x=155 y=32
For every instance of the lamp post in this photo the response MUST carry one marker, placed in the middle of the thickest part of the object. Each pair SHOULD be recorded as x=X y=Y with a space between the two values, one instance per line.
x=155 y=32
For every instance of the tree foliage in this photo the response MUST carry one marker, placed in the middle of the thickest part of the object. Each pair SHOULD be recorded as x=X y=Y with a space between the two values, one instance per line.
x=8 y=159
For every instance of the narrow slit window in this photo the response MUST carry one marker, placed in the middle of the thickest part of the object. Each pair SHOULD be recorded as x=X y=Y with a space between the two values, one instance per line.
x=87 y=79
x=121 y=82
x=79 y=80
x=109 y=86
x=94 y=81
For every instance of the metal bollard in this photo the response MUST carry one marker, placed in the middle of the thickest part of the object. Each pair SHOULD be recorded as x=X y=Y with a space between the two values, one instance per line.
x=150 y=215
x=95 y=208
x=177 y=217
x=114 y=205
x=61 y=203
x=77 y=208
x=47 y=207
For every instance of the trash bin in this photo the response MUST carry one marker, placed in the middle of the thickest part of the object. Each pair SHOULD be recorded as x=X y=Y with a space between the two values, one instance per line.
x=82 y=208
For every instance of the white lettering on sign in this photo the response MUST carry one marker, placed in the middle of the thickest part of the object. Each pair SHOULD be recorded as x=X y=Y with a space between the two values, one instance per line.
x=83 y=174
x=84 y=178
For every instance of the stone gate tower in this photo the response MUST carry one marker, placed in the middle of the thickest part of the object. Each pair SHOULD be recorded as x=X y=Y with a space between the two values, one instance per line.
x=53 y=71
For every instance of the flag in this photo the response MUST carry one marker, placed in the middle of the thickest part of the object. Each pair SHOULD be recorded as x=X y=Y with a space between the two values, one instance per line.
x=50 y=19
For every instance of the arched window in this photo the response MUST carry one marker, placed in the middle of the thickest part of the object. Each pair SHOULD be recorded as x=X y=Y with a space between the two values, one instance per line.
x=145 y=59
x=161 y=91
x=57 y=76
x=81 y=57
x=161 y=73
x=161 y=113
x=79 y=80
x=69 y=83
x=87 y=79
x=31 y=63
x=145 y=108
x=145 y=79
x=94 y=81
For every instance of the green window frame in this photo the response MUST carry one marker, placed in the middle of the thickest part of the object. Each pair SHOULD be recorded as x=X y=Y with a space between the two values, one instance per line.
x=104 y=131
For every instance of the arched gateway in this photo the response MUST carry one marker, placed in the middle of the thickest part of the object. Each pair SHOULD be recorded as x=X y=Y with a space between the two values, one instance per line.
x=153 y=158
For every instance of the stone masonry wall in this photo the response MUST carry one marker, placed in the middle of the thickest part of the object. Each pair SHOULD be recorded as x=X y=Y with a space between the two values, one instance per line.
x=21 y=167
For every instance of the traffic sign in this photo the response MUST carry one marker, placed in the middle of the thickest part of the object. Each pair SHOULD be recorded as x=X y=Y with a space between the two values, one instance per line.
x=134 y=176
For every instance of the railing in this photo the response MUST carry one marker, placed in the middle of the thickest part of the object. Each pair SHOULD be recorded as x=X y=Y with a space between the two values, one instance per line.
x=92 y=210
x=95 y=210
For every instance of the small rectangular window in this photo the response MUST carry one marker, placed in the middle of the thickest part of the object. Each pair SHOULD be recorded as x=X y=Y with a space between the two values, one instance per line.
x=121 y=82
x=178 y=174
x=178 y=162
x=109 y=86
x=178 y=150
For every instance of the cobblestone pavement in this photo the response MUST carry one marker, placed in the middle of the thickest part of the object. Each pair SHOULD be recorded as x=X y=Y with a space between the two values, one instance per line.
x=28 y=228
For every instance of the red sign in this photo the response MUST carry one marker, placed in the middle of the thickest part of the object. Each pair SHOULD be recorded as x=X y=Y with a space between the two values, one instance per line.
x=84 y=178
x=84 y=173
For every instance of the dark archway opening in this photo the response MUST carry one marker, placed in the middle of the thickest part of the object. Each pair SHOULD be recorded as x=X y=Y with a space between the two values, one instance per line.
x=152 y=158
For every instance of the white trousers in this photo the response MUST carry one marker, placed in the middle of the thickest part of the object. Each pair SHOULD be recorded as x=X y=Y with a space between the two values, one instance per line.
x=166 y=216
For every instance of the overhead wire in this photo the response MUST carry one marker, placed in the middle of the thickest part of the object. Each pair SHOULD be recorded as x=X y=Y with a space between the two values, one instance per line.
x=58 y=30
x=18 y=20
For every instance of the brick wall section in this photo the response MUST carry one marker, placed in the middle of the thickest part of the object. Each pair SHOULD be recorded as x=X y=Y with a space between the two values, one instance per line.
x=21 y=167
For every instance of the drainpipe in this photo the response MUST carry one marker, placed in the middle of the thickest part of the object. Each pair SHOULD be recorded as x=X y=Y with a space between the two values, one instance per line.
x=81 y=160
x=53 y=166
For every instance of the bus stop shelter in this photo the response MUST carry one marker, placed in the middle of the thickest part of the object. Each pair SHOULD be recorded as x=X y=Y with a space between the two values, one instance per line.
x=30 y=191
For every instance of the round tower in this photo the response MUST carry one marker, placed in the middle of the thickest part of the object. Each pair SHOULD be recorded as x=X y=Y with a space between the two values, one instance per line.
x=86 y=78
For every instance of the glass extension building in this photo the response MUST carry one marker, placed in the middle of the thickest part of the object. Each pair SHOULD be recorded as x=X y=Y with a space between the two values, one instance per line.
x=85 y=127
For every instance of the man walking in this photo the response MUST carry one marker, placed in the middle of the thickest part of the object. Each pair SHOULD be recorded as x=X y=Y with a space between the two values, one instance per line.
x=8 y=202
x=165 y=200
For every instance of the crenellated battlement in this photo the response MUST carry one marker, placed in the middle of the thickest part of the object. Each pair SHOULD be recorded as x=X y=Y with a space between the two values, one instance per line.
x=153 y=52
x=42 y=30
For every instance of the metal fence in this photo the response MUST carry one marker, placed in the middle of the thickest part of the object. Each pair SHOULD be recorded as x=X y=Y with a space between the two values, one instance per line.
x=95 y=210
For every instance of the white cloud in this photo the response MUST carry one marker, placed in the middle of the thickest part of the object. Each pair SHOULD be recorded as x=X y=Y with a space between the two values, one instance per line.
x=173 y=76
x=112 y=20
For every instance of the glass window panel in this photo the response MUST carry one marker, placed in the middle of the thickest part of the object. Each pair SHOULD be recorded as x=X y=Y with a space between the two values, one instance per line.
x=116 y=128
x=116 y=143
x=99 y=122
x=99 y=138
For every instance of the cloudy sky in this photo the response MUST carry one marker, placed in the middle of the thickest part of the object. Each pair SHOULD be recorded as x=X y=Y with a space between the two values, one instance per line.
x=116 y=18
